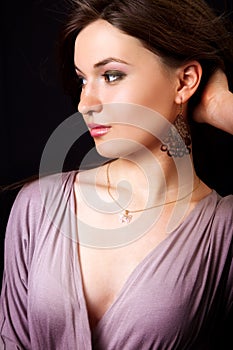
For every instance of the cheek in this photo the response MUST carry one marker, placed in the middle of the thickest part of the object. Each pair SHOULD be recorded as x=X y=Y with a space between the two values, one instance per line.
x=157 y=99
x=157 y=95
x=125 y=140
x=130 y=120
x=133 y=128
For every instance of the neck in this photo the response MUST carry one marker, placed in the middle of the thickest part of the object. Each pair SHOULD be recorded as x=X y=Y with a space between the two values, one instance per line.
x=148 y=180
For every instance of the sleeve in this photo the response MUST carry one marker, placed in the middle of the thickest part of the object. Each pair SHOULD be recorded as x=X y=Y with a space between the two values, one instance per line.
x=227 y=211
x=14 y=327
x=222 y=337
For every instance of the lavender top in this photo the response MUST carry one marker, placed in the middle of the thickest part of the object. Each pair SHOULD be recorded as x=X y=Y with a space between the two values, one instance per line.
x=174 y=299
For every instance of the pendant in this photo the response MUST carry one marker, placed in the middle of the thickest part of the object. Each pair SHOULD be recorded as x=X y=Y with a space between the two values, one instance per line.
x=125 y=218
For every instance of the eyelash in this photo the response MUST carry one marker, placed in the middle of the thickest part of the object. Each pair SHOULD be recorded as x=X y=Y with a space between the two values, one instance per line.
x=117 y=76
x=81 y=81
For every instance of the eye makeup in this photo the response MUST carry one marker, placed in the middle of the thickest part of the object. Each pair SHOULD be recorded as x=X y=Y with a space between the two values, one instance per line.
x=113 y=76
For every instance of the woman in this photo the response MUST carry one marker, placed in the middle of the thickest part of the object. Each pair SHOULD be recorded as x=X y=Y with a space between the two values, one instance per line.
x=135 y=253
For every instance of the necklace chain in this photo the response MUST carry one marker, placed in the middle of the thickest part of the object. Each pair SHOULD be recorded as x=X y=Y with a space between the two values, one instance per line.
x=125 y=217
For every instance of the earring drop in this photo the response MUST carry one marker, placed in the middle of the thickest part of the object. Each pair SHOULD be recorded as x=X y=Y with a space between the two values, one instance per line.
x=177 y=142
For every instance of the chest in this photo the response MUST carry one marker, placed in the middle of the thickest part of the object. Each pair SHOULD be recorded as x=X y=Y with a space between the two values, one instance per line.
x=130 y=290
x=106 y=274
x=147 y=286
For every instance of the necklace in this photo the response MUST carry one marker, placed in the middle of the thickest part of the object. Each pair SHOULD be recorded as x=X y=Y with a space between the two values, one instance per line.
x=126 y=215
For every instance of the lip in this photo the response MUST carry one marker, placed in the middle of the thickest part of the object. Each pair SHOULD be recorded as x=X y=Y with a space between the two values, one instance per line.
x=97 y=130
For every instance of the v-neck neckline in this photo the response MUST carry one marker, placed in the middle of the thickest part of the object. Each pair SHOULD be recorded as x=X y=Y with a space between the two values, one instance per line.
x=132 y=276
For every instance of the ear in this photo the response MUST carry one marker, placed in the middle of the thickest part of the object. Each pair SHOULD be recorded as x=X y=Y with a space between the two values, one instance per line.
x=189 y=77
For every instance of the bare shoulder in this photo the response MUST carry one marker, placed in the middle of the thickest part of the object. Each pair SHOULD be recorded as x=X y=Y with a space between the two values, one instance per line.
x=91 y=180
x=91 y=196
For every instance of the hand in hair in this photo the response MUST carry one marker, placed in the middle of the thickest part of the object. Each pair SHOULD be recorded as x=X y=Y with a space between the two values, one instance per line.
x=216 y=107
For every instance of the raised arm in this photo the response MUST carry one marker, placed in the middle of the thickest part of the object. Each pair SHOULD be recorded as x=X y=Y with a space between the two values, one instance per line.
x=216 y=107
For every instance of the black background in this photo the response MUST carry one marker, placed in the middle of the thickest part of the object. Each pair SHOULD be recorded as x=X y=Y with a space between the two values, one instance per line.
x=32 y=101
x=33 y=104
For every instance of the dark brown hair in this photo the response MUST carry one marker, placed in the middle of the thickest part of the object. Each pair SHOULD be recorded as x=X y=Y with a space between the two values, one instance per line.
x=177 y=31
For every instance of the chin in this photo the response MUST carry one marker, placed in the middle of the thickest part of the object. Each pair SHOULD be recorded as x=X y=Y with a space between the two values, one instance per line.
x=118 y=148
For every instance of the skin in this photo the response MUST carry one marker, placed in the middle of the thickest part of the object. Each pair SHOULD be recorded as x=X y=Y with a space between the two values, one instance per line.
x=123 y=86
x=135 y=77
x=115 y=68
x=131 y=80
x=216 y=107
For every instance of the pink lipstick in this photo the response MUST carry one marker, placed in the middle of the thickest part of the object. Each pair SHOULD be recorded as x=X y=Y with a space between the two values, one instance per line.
x=98 y=130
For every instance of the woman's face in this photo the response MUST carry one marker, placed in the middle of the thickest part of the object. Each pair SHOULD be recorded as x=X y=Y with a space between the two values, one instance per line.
x=121 y=79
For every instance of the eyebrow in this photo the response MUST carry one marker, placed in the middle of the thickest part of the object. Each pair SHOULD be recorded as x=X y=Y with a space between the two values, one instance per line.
x=109 y=60
x=104 y=62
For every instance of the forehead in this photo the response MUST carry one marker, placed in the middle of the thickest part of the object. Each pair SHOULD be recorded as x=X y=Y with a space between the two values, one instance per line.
x=100 y=40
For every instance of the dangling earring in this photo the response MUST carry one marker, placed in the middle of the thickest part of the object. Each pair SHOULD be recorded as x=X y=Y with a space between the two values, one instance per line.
x=177 y=142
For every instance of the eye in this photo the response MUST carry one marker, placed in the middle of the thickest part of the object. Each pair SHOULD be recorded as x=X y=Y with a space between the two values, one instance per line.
x=82 y=81
x=113 y=76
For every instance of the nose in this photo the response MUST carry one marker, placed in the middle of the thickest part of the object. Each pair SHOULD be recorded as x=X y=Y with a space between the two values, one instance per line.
x=89 y=103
